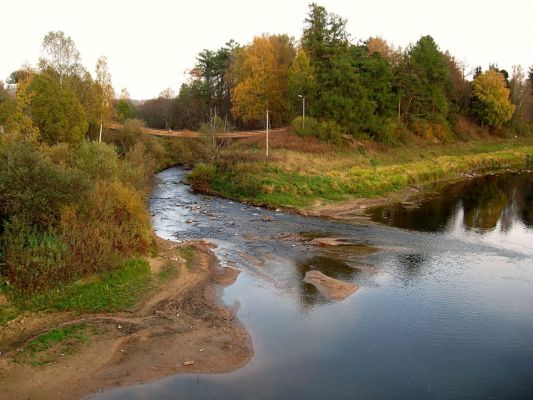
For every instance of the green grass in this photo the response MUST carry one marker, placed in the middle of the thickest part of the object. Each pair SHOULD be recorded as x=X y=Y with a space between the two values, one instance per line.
x=188 y=253
x=113 y=291
x=298 y=179
x=48 y=347
x=54 y=336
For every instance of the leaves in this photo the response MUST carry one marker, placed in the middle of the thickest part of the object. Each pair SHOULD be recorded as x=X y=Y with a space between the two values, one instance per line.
x=492 y=96
x=261 y=71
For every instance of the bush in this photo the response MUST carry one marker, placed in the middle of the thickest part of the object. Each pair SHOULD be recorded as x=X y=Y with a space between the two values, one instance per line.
x=392 y=133
x=33 y=260
x=202 y=176
x=33 y=188
x=310 y=128
x=330 y=132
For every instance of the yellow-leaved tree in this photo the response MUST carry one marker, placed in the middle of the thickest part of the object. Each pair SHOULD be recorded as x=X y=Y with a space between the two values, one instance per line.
x=260 y=73
x=492 y=104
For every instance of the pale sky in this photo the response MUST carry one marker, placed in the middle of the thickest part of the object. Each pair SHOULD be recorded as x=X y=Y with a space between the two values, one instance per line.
x=151 y=43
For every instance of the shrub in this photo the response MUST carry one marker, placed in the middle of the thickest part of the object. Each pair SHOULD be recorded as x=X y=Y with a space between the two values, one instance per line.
x=112 y=225
x=33 y=188
x=310 y=128
x=202 y=176
x=98 y=160
x=33 y=260
x=330 y=132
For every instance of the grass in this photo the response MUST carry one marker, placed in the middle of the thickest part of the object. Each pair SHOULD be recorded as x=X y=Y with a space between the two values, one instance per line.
x=113 y=291
x=168 y=271
x=46 y=348
x=301 y=178
x=54 y=336
x=188 y=253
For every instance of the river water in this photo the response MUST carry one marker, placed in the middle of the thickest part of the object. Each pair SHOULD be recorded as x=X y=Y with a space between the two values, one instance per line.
x=444 y=309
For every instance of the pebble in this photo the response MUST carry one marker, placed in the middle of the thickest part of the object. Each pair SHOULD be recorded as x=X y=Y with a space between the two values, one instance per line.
x=187 y=363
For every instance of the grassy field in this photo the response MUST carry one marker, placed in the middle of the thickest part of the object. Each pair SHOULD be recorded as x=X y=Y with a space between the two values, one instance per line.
x=301 y=172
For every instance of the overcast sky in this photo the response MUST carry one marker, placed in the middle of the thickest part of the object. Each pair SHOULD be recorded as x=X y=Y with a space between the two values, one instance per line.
x=150 y=44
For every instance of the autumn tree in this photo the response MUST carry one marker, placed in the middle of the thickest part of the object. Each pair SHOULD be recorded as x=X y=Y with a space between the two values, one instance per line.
x=7 y=105
x=105 y=92
x=18 y=118
x=60 y=55
x=520 y=89
x=492 y=105
x=261 y=71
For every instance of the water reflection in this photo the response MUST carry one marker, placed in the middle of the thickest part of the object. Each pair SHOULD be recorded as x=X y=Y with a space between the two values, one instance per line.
x=492 y=202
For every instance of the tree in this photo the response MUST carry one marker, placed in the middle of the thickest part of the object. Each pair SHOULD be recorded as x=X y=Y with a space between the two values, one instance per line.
x=261 y=71
x=56 y=111
x=422 y=82
x=123 y=106
x=105 y=92
x=61 y=55
x=492 y=104
x=18 y=120
x=520 y=96
x=168 y=94
x=301 y=80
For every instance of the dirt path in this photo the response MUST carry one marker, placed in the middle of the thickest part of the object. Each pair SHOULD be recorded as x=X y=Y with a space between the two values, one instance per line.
x=182 y=322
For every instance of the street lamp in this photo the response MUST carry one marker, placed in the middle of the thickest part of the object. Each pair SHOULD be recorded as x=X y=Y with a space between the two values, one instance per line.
x=303 y=110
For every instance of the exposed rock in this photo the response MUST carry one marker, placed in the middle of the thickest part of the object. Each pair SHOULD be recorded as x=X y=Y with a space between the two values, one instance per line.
x=326 y=242
x=330 y=288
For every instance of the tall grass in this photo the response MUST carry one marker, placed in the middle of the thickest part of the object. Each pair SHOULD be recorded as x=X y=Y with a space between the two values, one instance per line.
x=298 y=178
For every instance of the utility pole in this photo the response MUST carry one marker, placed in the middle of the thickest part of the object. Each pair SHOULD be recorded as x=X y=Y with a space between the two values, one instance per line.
x=267 y=126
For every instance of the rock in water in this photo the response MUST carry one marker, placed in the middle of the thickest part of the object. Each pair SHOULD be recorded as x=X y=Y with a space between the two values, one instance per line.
x=330 y=288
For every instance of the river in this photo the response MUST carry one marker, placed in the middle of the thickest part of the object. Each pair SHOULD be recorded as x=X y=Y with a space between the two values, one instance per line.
x=444 y=309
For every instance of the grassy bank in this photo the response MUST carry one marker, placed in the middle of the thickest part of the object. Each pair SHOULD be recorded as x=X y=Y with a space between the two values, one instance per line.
x=117 y=290
x=301 y=173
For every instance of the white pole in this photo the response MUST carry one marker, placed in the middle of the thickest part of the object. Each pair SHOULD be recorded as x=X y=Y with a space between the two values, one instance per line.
x=303 y=112
x=267 y=124
x=101 y=123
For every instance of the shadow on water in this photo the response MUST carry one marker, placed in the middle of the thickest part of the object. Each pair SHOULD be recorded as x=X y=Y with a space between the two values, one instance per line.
x=492 y=202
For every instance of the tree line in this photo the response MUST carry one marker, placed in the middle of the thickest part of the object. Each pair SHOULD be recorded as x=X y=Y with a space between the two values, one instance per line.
x=367 y=89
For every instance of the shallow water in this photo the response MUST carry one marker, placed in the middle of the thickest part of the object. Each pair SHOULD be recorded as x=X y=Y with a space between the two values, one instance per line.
x=445 y=311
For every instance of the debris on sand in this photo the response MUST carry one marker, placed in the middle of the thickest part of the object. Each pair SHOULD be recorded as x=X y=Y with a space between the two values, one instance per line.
x=330 y=288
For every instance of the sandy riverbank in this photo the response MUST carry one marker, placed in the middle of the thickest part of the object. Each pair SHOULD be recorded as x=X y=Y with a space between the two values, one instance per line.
x=181 y=322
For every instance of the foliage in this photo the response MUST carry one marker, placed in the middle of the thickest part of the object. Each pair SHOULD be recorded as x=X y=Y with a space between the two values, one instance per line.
x=56 y=111
x=34 y=189
x=33 y=260
x=261 y=71
x=491 y=99
x=202 y=176
x=422 y=82
x=124 y=110
x=61 y=55
x=309 y=127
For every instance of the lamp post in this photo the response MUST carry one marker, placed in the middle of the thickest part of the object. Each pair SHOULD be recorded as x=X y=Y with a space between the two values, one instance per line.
x=303 y=110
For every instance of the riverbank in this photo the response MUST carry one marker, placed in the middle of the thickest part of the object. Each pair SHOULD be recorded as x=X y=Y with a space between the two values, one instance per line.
x=311 y=178
x=179 y=326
